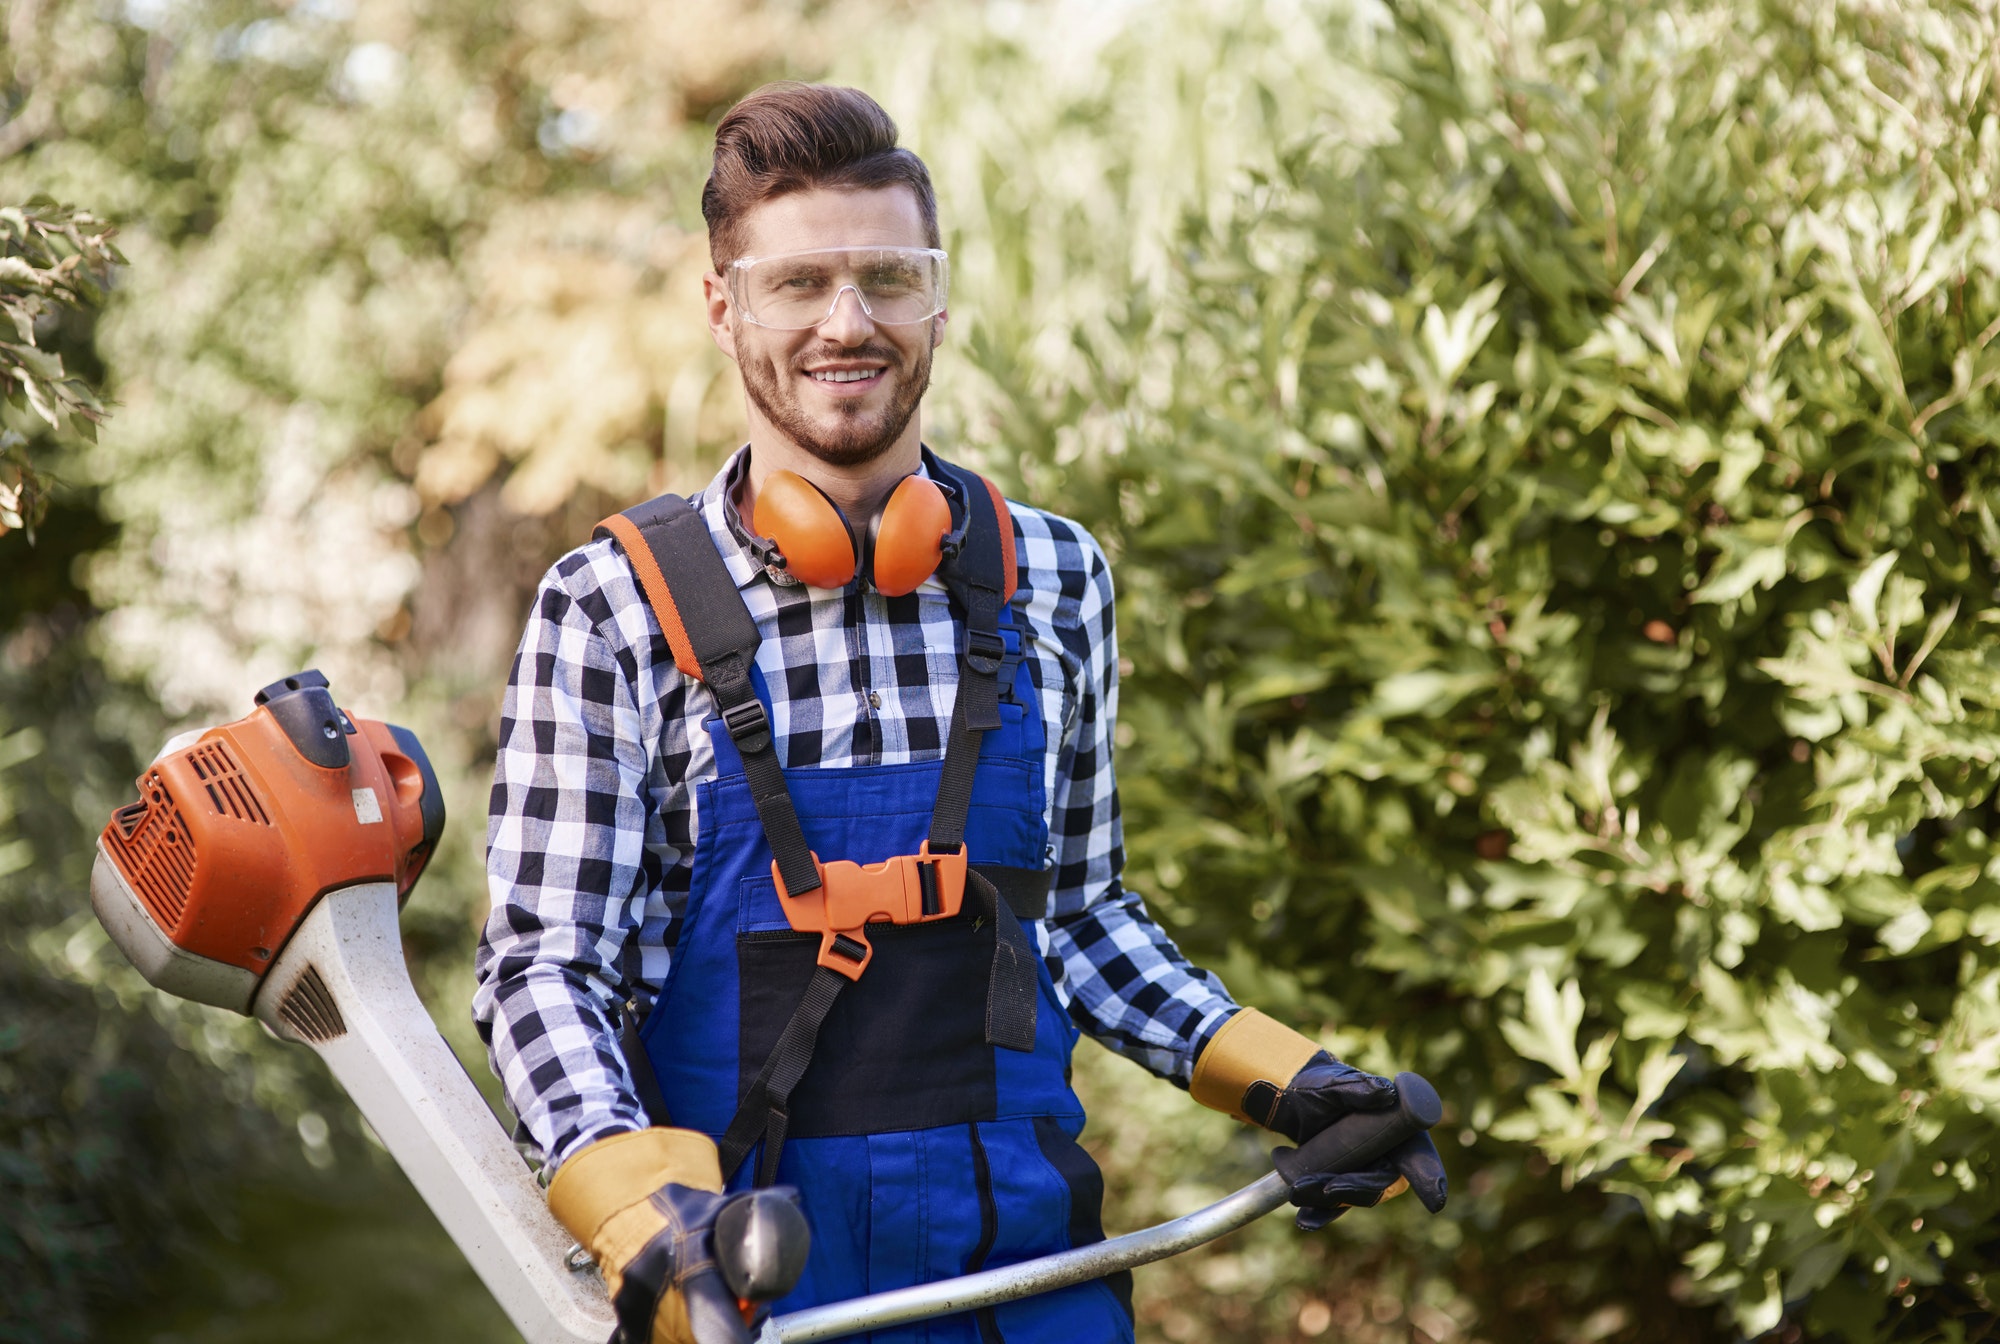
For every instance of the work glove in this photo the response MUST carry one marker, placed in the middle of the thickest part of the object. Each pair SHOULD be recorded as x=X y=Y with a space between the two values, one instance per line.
x=1238 y=1072
x=644 y=1204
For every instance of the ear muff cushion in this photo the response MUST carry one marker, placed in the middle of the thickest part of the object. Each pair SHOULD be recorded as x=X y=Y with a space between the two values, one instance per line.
x=807 y=528
x=909 y=536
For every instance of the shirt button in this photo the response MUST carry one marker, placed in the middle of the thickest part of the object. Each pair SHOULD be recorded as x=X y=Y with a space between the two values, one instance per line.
x=874 y=700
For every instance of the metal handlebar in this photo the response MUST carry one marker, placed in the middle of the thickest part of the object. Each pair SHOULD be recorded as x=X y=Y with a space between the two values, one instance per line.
x=989 y=1287
x=1351 y=1143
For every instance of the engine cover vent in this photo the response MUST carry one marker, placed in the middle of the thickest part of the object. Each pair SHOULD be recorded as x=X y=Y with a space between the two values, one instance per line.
x=309 y=1009
x=155 y=850
x=228 y=788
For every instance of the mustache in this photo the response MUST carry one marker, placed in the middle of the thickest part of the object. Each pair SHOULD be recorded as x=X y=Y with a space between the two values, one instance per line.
x=886 y=353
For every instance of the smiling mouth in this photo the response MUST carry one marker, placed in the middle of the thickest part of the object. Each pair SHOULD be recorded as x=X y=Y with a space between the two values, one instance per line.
x=839 y=376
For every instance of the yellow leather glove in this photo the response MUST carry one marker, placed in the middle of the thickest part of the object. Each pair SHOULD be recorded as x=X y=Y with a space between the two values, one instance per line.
x=1249 y=1049
x=644 y=1204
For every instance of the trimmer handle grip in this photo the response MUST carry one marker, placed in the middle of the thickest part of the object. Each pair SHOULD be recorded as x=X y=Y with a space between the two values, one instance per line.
x=761 y=1243
x=1365 y=1137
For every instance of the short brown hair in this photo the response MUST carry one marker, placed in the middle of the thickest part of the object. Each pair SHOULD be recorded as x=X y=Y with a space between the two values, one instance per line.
x=789 y=137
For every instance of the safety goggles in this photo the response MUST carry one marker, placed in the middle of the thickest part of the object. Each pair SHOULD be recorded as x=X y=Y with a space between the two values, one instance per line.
x=797 y=290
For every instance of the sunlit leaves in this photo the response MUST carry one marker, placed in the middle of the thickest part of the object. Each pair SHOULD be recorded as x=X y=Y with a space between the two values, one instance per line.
x=53 y=259
x=1560 y=515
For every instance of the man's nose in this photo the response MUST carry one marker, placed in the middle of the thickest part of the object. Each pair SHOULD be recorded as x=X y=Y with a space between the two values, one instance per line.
x=847 y=322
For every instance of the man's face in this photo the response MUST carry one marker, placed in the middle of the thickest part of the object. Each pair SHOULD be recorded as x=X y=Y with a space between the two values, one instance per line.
x=788 y=375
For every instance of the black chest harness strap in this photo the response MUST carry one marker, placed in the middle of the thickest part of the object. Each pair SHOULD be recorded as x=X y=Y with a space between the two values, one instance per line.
x=714 y=640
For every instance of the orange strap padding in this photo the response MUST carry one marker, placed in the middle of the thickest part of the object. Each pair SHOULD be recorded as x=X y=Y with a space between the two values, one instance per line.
x=1008 y=563
x=658 y=595
x=907 y=889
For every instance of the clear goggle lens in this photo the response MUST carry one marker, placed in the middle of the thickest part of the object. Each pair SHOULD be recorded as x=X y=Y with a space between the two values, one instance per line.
x=895 y=285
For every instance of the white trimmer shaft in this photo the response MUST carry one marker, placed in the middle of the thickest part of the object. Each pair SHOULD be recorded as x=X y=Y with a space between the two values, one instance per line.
x=340 y=987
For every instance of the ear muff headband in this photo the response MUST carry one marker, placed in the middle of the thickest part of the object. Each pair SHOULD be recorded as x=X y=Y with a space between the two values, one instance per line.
x=905 y=541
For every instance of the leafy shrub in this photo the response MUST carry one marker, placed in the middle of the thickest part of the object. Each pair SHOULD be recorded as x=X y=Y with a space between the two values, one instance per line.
x=53 y=260
x=124 y=1115
x=124 y=1118
x=1555 y=525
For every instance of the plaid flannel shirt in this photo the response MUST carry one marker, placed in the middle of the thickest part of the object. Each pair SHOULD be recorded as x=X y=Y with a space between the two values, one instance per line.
x=592 y=826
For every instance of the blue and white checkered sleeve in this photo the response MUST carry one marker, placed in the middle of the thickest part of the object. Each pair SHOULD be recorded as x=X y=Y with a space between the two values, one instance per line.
x=1129 y=985
x=568 y=870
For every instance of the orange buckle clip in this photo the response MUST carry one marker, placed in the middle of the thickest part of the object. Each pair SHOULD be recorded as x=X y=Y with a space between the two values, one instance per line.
x=907 y=889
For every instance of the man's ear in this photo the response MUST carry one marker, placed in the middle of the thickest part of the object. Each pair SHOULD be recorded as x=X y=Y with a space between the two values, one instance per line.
x=721 y=314
x=937 y=329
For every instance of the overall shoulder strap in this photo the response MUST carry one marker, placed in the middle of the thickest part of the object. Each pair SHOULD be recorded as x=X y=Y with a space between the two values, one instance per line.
x=715 y=641
x=981 y=580
x=987 y=560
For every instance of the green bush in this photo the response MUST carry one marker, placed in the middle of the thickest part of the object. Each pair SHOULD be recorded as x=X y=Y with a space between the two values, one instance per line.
x=1554 y=513
x=53 y=262
x=123 y=1117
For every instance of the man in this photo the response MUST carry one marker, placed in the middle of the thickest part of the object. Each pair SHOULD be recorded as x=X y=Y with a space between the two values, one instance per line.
x=810 y=778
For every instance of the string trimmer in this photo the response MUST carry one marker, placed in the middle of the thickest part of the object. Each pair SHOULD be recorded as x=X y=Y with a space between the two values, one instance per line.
x=262 y=870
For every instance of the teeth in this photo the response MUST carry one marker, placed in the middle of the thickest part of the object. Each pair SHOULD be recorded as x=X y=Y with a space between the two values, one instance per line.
x=845 y=375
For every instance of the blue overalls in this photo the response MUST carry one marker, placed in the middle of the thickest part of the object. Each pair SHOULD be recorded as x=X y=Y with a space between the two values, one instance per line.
x=921 y=1150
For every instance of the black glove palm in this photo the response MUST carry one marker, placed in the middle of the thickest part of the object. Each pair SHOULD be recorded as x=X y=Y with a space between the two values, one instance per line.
x=1320 y=1093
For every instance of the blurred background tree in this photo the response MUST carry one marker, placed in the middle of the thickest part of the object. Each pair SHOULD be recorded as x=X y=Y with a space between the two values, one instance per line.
x=1545 y=454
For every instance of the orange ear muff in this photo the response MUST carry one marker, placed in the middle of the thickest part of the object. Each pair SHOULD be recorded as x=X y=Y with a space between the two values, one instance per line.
x=808 y=530
x=907 y=537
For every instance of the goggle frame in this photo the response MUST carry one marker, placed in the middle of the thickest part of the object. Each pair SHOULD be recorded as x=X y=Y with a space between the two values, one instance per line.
x=738 y=271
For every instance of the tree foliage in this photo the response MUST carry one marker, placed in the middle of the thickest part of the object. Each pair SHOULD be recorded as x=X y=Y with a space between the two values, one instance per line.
x=113 y=1118
x=52 y=258
x=1555 y=526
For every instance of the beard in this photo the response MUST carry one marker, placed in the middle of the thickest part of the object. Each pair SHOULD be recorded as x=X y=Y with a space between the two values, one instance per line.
x=855 y=435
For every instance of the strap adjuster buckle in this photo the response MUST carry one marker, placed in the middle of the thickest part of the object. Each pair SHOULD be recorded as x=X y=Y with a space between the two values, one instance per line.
x=906 y=889
x=749 y=726
x=984 y=650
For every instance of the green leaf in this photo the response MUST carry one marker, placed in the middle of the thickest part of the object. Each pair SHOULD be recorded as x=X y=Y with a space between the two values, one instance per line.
x=1546 y=1031
x=1865 y=592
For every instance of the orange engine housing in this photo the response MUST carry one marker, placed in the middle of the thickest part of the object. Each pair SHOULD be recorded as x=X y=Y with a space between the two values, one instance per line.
x=239 y=831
